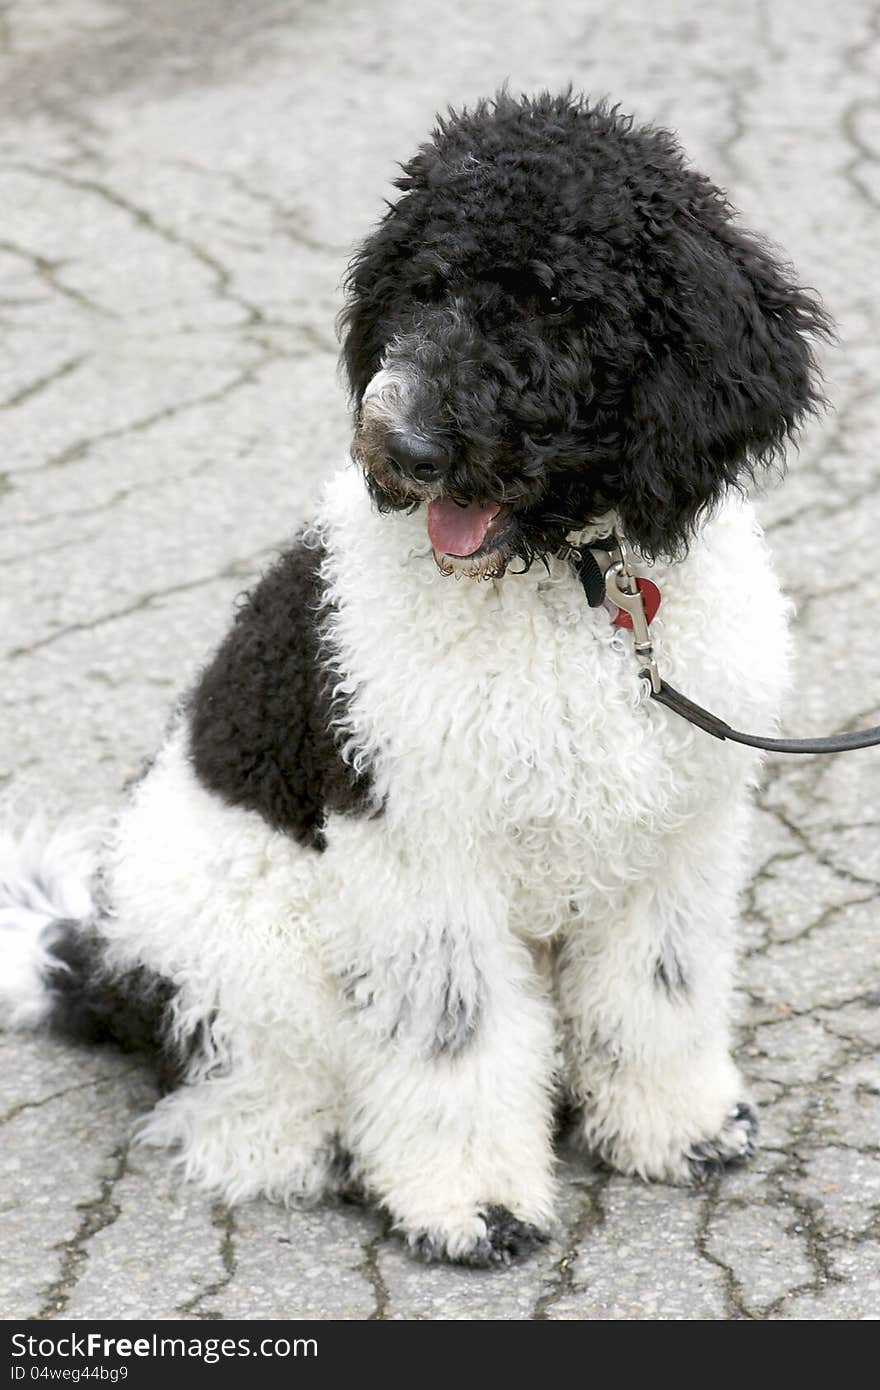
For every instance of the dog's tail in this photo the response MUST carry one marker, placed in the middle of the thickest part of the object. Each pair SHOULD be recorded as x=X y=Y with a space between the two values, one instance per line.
x=45 y=903
x=54 y=972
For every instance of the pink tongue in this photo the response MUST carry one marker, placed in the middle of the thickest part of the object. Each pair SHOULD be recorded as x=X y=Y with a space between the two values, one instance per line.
x=456 y=530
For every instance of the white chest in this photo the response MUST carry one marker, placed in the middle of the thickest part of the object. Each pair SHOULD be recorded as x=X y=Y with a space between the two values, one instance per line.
x=511 y=713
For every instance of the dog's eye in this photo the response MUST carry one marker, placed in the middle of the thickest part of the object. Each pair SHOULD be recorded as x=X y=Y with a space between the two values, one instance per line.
x=530 y=292
x=555 y=307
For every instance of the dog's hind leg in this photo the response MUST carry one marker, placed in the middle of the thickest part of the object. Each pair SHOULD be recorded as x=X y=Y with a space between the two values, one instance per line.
x=645 y=991
x=448 y=1038
x=260 y=1127
x=197 y=950
x=215 y=901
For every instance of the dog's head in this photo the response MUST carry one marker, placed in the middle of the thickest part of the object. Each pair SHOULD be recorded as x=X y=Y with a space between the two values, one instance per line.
x=558 y=317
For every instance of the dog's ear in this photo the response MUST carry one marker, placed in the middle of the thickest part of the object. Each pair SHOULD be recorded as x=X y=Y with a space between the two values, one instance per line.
x=359 y=323
x=727 y=376
x=374 y=285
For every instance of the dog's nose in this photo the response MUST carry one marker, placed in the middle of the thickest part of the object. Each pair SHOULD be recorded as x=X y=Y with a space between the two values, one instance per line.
x=417 y=457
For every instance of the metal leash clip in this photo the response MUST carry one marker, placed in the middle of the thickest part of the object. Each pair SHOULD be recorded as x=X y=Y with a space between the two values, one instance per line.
x=606 y=572
x=622 y=590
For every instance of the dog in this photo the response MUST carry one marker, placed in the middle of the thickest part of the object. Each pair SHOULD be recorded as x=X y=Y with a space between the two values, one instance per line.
x=419 y=860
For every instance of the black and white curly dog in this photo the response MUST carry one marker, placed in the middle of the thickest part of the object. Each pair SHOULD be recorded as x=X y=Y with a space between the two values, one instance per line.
x=419 y=857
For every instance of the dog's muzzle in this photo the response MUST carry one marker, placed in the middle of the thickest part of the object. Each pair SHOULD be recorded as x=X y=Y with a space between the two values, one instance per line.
x=407 y=465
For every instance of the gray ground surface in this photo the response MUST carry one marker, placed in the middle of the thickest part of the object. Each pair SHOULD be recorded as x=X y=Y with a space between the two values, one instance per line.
x=181 y=184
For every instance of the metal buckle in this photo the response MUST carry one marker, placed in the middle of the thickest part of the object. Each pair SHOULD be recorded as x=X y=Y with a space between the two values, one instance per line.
x=622 y=590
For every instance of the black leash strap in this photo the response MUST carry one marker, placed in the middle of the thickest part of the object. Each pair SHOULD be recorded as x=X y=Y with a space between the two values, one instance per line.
x=695 y=714
x=605 y=571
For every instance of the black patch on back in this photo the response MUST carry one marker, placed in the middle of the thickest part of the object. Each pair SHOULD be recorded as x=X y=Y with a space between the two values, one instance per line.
x=261 y=715
x=93 y=1004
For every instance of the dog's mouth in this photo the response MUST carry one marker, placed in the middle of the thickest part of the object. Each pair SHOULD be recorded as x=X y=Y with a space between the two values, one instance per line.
x=468 y=537
x=463 y=529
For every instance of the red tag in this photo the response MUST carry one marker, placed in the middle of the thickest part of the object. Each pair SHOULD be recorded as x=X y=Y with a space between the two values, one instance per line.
x=650 y=598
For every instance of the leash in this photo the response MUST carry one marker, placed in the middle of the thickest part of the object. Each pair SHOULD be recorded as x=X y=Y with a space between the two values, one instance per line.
x=605 y=569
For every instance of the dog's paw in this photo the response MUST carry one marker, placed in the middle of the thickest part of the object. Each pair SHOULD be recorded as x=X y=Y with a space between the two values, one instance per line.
x=678 y=1146
x=734 y=1144
x=494 y=1237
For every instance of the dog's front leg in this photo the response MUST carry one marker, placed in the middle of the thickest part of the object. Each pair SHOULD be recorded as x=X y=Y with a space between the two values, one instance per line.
x=645 y=987
x=447 y=1045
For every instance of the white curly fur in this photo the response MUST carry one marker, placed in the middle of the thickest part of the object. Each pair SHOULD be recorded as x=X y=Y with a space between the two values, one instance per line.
x=43 y=878
x=551 y=886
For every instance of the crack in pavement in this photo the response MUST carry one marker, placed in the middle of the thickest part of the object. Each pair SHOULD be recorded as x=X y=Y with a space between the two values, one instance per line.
x=764 y=27
x=24 y=1105
x=223 y=1221
x=819 y=856
x=122 y=495
x=288 y=219
x=48 y=272
x=808 y=1226
x=855 y=57
x=22 y=556
x=825 y=916
x=736 y=1307
x=863 y=153
x=42 y=383
x=222 y=275
x=372 y=1272
x=806 y=1223
x=589 y=1215
x=737 y=84
x=241 y=568
x=97 y=1215
x=73 y=453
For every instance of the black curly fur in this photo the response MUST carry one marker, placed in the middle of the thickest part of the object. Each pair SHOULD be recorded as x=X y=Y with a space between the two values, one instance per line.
x=588 y=325
x=262 y=716
x=92 y=1003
